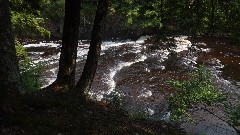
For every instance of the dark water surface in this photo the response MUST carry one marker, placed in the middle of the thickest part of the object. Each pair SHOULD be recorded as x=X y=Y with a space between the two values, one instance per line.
x=227 y=52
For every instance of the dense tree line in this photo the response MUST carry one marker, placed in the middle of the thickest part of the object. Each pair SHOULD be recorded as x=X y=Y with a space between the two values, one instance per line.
x=205 y=17
x=190 y=17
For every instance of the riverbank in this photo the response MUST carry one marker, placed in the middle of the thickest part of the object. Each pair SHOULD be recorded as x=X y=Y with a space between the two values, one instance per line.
x=45 y=116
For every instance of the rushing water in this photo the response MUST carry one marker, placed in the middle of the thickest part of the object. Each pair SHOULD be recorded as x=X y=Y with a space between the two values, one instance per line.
x=138 y=73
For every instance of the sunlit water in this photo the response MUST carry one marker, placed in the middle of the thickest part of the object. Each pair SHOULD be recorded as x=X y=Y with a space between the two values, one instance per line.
x=140 y=75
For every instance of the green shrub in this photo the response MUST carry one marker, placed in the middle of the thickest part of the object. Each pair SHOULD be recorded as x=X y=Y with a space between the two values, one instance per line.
x=26 y=18
x=29 y=71
x=116 y=99
x=233 y=113
x=26 y=24
x=198 y=89
x=140 y=114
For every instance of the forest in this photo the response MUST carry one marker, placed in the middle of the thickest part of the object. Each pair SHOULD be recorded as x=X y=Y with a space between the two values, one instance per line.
x=109 y=67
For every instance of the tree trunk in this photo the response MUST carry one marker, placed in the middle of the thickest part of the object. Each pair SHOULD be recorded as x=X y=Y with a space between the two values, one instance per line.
x=67 y=63
x=84 y=83
x=9 y=71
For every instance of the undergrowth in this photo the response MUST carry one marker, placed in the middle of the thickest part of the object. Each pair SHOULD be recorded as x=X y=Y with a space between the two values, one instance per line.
x=29 y=72
x=198 y=89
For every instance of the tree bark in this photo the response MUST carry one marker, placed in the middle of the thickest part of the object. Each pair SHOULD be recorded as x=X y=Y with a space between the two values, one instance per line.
x=86 y=79
x=9 y=71
x=67 y=63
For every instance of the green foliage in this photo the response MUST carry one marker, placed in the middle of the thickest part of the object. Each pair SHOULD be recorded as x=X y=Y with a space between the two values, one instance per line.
x=21 y=53
x=116 y=99
x=25 y=24
x=26 y=18
x=145 y=14
x=30 y=76
x=29 y=71
x=140 y=114
x=233 y=113
x=197 y=17
x=180 y=17
x=199 y=89
x=27 y=6
x=89 y=8
x=54 y=10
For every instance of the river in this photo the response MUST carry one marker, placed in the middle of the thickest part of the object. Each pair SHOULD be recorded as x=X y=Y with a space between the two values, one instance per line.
x=139 y=70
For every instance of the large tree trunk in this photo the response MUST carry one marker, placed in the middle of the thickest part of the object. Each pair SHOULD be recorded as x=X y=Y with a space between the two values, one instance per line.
x=66 y=74
x=9 y=72
x=84 y=83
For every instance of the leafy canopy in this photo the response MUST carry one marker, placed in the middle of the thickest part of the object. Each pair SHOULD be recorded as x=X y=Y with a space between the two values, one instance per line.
x=26 y=18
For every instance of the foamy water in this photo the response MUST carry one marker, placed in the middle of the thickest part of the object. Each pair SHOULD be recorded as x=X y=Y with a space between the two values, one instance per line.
x=41 y=44
x=113 y=71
